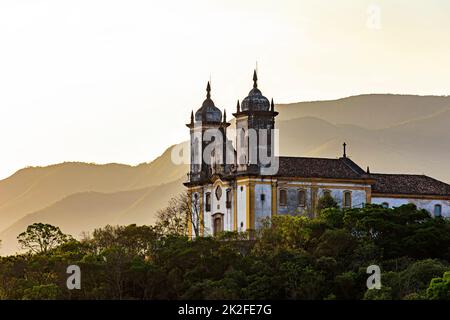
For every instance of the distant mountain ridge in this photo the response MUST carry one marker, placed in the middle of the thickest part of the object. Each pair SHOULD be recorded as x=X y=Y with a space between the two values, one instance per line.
x=34 y=189
x=87 y=210
x=389 y=133
x=370 y=111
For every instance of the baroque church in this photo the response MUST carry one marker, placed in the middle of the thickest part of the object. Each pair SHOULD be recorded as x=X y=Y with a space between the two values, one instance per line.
x=232 y=189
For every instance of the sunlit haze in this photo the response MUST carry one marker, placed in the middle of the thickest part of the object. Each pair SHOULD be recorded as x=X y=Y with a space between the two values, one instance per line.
x=115 y=81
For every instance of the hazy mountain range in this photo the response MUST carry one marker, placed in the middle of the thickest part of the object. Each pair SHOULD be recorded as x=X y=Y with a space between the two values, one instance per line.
x=389 y=133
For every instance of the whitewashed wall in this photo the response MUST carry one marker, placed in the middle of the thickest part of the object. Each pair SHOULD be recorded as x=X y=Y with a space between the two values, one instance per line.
x=263 y=209
x=358 y=196
x=229 y=214
x=218 y=206
x=336 y=190
x=420 y=203
x=242 y=208
x=207 y=215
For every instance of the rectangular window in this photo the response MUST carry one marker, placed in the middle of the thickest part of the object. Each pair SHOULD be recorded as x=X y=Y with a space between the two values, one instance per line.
x=437 y=210
x=283 y=197
x=228 y=203
x=302 y=198
x=208 y=202
x=347 y=199
x=218 y=224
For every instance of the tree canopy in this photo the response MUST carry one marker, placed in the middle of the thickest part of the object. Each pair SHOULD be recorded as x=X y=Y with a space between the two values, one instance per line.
x=41 y=238
x=290 y=257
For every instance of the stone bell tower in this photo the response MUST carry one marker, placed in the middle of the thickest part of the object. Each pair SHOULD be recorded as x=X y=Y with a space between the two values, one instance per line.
x=208 y=140
x=255 y=124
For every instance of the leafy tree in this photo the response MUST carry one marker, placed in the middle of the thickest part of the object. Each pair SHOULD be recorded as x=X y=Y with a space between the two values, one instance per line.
x=41 y=238
x=385 y=293
x=175 y=218
x=347 y=286
x=291 y=257
x=41 y=292
x=417 y=277
x=132 y=239
x=333 y=217
x=196 y=222
x=439 y=288
x=326 y=202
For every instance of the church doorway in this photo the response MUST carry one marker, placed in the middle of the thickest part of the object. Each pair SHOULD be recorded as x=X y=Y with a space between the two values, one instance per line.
x=218 y=223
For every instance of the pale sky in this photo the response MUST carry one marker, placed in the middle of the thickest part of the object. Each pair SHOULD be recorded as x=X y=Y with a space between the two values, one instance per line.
x=115 y=81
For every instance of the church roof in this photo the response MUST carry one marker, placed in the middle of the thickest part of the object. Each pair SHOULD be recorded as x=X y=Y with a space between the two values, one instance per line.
x=342 y=168
x=345 y=168
x=208 y=112
x=255 y=101
x=408 y=184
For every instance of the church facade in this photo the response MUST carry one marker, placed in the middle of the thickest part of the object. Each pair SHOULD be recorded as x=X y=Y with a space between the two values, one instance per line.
x=234 y=187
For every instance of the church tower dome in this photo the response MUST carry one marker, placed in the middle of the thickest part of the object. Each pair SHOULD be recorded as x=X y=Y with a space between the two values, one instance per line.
x=255 y=101
x=208 y=112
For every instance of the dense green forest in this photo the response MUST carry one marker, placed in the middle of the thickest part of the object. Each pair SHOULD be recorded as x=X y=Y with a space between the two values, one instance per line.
x=291 y=257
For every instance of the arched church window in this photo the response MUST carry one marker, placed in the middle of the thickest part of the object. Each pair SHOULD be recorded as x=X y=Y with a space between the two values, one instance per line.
x=208 y=202
x=218 y=224
x=228 y=203
x=438 y=210
x=301 y=198
x=327 y=193
x=347 y=199
x=283 y=197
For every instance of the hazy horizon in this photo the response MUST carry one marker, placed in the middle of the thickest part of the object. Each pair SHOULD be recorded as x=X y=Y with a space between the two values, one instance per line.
x=99 y=81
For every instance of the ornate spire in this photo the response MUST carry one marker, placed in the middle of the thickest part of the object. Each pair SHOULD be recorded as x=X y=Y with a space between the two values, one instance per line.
x=272 y=106
x=368 y=170
x=192 y=116
x=224 y=115
x=238 y=107
x=208 y=91
x=345 y=150
x=255 y=79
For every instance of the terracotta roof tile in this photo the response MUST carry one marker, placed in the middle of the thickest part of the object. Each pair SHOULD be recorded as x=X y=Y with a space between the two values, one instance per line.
x=342 y=168
x=409 y=184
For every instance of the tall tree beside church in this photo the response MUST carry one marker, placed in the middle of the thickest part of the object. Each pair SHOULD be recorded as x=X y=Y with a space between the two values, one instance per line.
x=195 y=218
x=175 y=218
